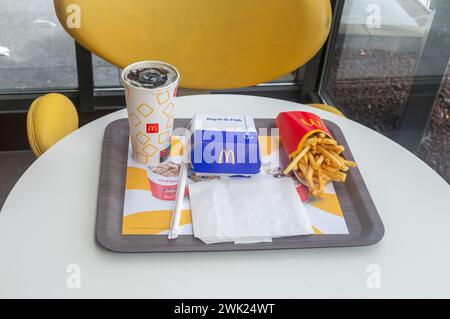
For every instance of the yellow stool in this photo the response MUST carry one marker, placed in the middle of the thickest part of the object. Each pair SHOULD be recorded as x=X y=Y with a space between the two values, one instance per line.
x=327 y=108
x=50 y=118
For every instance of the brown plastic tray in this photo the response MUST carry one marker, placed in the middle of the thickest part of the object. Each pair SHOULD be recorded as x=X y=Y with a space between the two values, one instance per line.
x=363 y=222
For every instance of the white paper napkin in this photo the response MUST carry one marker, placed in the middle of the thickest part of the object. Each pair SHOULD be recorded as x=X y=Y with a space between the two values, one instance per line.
x=247 y=210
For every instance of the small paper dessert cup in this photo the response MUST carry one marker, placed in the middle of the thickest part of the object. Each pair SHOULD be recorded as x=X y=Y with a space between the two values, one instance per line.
x=163 y=187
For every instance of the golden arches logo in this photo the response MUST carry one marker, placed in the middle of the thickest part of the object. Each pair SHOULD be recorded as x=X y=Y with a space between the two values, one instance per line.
x=228 y=154
x=311 y=123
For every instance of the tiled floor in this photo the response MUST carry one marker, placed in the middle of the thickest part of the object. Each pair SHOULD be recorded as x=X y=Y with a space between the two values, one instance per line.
x=12 y=165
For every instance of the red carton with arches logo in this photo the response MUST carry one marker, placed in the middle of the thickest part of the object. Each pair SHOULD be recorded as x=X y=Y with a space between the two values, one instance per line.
x=295 y=127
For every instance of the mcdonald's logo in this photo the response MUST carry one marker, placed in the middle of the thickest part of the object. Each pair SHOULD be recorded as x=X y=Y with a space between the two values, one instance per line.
x=152 y=128
x=311 y=123
x=228 y=154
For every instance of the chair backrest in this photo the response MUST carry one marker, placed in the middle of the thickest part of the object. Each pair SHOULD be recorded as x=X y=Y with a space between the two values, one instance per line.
x=50 y=118
x=214 y=43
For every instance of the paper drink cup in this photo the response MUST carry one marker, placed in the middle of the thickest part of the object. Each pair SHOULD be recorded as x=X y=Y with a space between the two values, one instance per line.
x=150 y=107
x=295 y=127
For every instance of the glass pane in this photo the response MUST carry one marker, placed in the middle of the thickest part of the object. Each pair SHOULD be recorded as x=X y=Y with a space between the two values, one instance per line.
x=373 y=63
x=108 y=75
x=105 y=74
x=435 y=146
x=35 y=51
x=380 y=55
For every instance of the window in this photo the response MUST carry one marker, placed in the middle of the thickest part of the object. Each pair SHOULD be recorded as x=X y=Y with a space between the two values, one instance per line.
x=35 y=51
x=434 y=148
x=37 y=56
x=385 y=65
x=105 y=74
x=385 y=69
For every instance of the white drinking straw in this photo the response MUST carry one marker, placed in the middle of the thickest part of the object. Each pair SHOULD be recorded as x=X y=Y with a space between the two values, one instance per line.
x=176 y=214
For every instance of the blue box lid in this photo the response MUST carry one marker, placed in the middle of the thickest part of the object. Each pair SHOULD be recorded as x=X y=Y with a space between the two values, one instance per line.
x=224 y=145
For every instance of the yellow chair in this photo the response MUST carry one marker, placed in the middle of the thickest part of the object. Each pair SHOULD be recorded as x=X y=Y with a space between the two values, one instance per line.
x=327 y=108
x=216 y=44
x=50 y=118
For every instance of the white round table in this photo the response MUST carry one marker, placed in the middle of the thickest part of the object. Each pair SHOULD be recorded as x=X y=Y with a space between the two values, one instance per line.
x=48 y=221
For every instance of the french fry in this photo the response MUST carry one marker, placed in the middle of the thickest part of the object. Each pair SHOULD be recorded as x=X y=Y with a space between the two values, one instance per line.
x=311 y=140
x=312 y=161
x=295 y=160
x=328 y=155
x=329 y=168
x=311 y=184
x=338 y=149
x=314 y=148
x=337 y=175
x=320 y=162
x=349 y=163
x=324 y=176
x=309 y=172
x=321 y=182
x=338 y=157
x=300 y=174
x=303 y=168
x=328 y=141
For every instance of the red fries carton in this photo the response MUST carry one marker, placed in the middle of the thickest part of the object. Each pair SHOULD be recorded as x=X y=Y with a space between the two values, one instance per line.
x=295 y=127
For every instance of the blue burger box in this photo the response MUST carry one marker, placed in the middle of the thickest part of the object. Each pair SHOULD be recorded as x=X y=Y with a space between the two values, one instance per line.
x=224 y=145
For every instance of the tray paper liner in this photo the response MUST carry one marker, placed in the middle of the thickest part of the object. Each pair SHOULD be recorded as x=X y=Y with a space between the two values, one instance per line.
x=145 y=214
